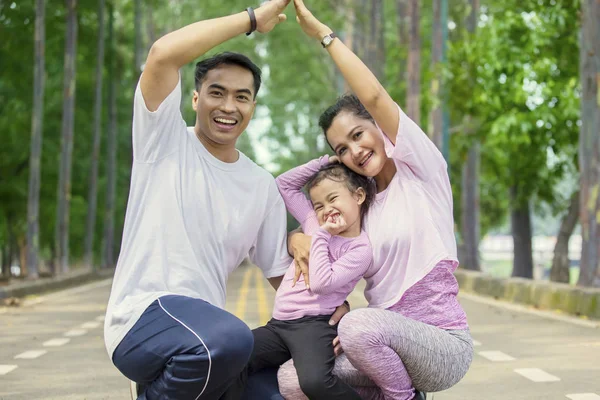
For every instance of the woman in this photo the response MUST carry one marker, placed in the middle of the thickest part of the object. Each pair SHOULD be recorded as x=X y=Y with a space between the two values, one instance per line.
x=414 y=335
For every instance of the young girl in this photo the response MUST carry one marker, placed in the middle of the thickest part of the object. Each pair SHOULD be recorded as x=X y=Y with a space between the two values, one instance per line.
x=340 y=256
x=414 y=333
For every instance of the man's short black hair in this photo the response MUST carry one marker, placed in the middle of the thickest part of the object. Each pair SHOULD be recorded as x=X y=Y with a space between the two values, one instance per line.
x=227 y=58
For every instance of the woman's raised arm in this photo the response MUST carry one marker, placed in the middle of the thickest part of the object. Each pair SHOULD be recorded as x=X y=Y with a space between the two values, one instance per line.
x=359 y=77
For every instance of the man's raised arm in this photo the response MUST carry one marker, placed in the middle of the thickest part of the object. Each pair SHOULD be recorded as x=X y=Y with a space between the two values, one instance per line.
x=172 y=51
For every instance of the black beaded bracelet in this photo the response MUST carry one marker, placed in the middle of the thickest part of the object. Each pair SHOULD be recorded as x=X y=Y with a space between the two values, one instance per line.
x=252 y=20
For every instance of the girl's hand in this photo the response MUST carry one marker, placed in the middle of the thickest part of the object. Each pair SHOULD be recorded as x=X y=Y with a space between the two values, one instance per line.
x=270 y=14
x=334 y=160
x=309 y=24
x=335 y=224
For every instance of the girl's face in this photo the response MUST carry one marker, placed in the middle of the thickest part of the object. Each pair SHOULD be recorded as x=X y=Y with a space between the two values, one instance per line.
x=357 y=143
x=333 y=198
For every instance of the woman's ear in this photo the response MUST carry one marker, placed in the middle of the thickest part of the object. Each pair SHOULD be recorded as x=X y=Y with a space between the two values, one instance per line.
x=360 y=195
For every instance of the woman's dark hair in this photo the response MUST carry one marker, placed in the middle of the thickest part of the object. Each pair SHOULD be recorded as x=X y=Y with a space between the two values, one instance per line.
x=341 y=173
x=347 y=102
x=227 y=58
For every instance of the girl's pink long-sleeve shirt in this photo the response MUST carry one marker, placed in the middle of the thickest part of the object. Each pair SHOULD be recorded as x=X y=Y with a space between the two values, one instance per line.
x=336 y=263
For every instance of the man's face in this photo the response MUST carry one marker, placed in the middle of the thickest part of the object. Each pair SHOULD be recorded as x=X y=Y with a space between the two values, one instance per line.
x=224 y=105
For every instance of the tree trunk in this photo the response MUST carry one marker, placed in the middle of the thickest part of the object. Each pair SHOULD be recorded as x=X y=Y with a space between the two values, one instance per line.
x=138 y=47
x=589 y=143
x=560 y=263
x=377 y=40
x=93 y=188
x=471 y=229
x=64 y=181
x=413 y=70
x=521 y=232
x=150 y=27
x=109 y=212
x=470 y=209
x=37 y=120
x=435 y=115
x=403 y=21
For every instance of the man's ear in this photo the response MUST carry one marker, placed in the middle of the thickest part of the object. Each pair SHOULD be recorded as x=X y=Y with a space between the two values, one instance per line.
x=195 y=96
x=360 y=195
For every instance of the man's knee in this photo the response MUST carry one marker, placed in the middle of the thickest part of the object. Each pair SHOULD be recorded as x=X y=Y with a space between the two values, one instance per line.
x=231 y=354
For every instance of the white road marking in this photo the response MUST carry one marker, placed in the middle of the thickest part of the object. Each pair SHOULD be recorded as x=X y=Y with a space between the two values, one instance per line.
x=75 y=332
x=5 y=369
x=495 y=356
x=100 y=318
x=537 y=375
x=90 y=325
x=476 y=343
x=56 y=342
x=31 y=354
x=583 y=396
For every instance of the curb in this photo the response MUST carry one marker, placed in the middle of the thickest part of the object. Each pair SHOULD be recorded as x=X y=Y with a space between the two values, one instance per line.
x=546 y=295
x=44 y=285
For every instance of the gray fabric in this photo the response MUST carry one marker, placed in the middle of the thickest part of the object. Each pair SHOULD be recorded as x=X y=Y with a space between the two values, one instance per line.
x=425 y=357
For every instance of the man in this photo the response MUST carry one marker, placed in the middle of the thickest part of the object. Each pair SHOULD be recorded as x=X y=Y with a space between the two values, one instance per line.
x=197 y=207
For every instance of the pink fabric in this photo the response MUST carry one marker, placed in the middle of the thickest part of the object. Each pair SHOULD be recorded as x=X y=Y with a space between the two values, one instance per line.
x=433 y=300
x=336 y=263
x=410 y=224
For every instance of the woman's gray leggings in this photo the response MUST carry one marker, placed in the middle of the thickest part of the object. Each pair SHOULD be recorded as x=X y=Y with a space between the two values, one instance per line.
x=386 y=356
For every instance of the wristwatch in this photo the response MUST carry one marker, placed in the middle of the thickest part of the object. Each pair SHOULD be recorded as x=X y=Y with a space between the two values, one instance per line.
x=327 y=39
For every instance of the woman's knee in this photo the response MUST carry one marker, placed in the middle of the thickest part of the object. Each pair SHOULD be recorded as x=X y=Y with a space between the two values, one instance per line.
x=354 y=326
x=287 y=379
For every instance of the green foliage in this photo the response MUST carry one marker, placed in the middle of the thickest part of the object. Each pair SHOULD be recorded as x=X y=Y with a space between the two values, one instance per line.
x=516 y=79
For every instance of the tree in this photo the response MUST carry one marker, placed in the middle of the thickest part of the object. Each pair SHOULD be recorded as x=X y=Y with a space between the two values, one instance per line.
x=436 y=114
x=413 y=70
x=589 y=143
x=68 y=117
x=93 y=185
x=36 y=141
x=560 y=271
x=108 y=259
x=470 y=178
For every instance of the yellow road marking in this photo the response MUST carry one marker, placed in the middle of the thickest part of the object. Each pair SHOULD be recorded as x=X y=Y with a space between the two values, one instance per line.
x=263 y=307
x=240 y=305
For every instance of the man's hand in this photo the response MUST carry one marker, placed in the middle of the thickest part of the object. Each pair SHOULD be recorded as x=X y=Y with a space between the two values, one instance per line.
x=270 y=14
x=299 y=246
x=335 y=224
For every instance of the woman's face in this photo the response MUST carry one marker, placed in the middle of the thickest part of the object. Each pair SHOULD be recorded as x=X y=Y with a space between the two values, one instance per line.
x=357 y=143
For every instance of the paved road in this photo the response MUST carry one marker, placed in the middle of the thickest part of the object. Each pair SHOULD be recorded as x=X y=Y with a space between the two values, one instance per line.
x=58 y=342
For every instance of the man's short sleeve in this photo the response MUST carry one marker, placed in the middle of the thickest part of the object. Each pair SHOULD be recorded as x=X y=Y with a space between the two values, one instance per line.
x=156 y=134
x=269 y=252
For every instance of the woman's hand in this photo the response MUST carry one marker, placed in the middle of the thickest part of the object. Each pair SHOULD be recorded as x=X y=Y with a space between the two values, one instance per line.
x=270 y=14
x=309 y=23
x=334 y=160
x=299 y=247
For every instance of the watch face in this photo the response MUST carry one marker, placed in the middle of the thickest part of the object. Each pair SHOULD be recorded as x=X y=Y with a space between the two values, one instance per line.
x=327 y=40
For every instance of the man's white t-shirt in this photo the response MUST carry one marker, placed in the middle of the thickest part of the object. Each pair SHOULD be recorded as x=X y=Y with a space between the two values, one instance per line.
x=191 y=219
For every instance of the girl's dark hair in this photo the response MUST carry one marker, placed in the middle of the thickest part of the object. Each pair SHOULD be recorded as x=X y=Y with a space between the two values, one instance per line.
x=227 y=58
x=341 y=173
x=347 y=102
